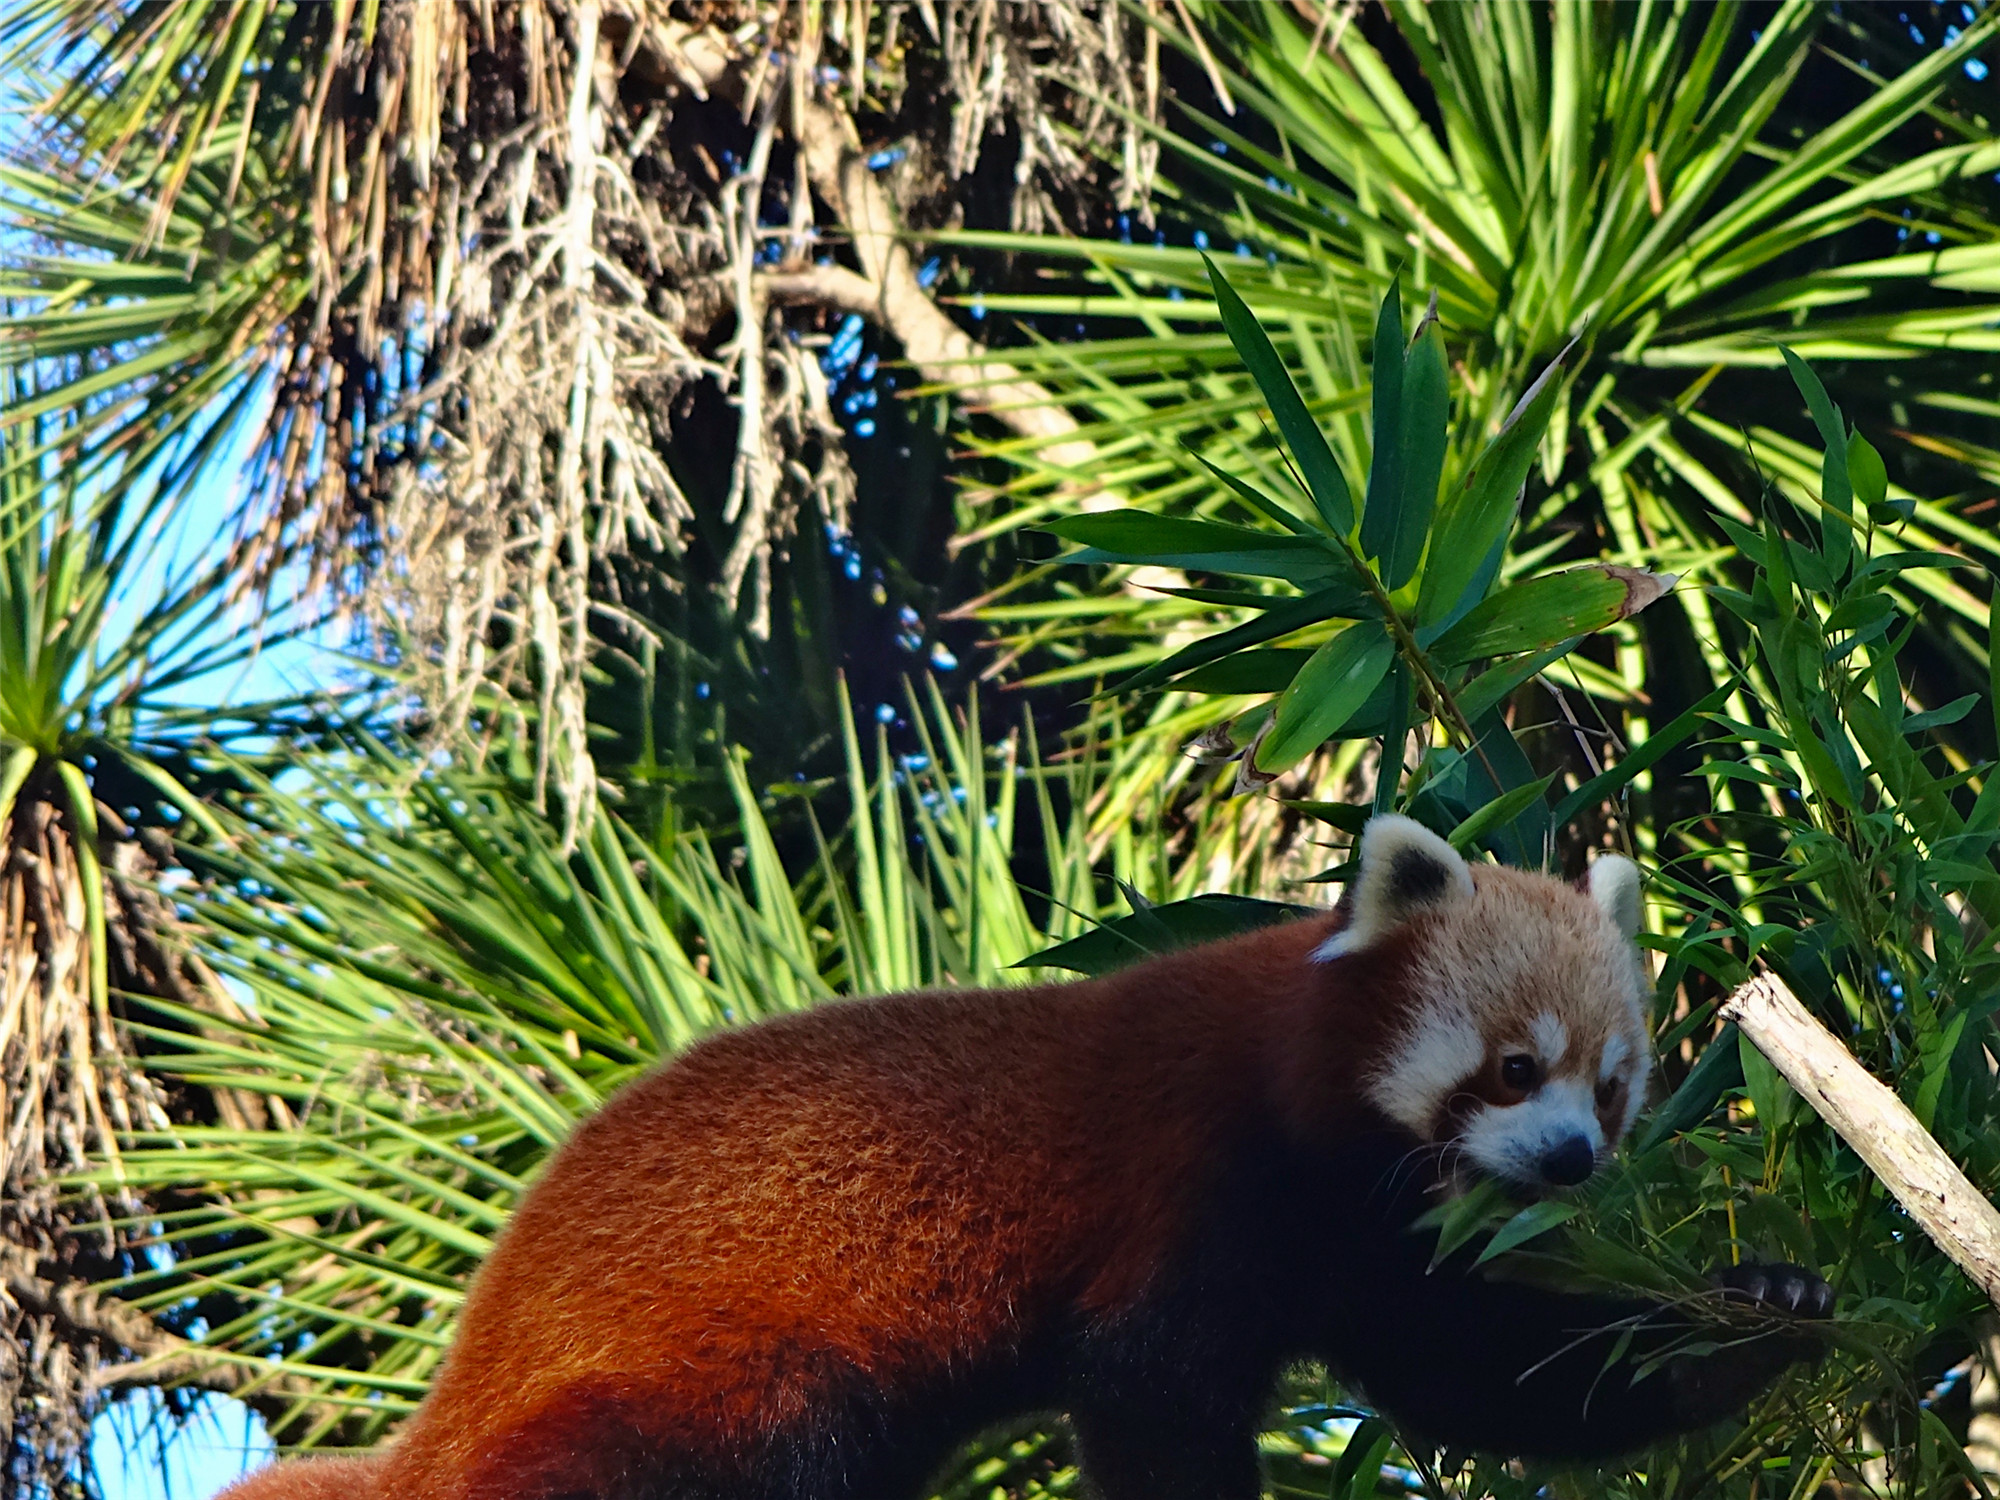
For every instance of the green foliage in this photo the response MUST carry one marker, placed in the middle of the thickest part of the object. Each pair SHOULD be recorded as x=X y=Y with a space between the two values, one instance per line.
x=169 y=302
x=1411 y=573
x=436 y=994
x=76 y=680
x=1846 y=847
x=1154 y=929
x=1844 y=852
x=1623 y=223
x=1676 y=190
x=432 y=995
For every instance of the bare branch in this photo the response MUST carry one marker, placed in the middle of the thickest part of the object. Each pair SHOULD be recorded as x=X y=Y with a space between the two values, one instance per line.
x=1870 y=1118
x=83 y=1314
x=943 y=352
x=825 y=286
x=753 y=482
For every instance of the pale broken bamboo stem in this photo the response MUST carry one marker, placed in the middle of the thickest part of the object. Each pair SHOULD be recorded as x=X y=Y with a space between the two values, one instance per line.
x=1869 y=1117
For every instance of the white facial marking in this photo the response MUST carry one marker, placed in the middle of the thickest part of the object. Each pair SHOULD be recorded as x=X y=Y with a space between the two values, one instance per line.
x=1635 y=1083
x=1615 y=1052
x=1511 y=1141
x=1551 y=1038
x=1515 y=962
x=1437 y=1055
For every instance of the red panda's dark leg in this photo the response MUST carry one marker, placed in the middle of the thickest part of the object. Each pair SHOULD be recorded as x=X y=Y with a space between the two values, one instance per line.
x=1132 y=1455
x=1522 y=1371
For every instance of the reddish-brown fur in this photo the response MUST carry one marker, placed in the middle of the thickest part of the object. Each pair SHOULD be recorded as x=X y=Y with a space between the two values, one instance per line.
x=313 y=1479
x=885 y=1186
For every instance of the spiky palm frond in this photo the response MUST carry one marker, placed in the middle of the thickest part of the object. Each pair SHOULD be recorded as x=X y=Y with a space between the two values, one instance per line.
x=101 y=634
x=433 y=994
x=1679 y=189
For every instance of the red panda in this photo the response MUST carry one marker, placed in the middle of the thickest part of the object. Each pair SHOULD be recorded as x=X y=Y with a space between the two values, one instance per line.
x=811 y=1257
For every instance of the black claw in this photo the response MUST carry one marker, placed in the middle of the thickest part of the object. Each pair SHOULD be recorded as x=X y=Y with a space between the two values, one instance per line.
x=1787 y=1288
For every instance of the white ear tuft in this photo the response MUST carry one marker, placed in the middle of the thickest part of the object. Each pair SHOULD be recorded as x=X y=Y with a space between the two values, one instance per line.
x=1405 y=869
x=1614 y=886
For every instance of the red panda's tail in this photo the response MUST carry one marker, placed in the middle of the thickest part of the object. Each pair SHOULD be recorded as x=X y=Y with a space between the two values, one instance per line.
x=310 y=1479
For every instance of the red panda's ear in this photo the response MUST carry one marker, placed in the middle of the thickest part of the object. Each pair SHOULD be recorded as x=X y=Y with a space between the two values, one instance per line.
x=1405 y=869
x=1614 y=885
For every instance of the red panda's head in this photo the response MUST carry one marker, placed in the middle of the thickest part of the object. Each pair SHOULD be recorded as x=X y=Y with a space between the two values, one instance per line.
x=1523 y=1044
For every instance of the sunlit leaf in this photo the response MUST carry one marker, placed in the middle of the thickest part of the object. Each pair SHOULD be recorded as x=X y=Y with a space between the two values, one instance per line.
x=1205 y=546
x=1326 y=693
x=1481 y=511
x=1302 y=434
x=1530 y=616
x=1381 y=515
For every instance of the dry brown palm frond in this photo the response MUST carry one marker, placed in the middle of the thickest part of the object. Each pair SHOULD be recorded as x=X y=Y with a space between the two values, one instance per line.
x=505 y=242
x=70 y=1076
x=595 y=261
x=70 y=1092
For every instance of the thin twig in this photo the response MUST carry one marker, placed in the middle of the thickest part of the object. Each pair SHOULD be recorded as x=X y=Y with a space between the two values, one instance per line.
x=753 y=481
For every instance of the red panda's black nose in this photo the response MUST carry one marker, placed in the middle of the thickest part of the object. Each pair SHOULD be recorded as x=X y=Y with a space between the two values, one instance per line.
x=1568 y=1164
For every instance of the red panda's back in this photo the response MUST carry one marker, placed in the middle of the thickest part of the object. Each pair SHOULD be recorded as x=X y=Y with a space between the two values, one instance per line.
x=312 y=1479
x=879 y=1188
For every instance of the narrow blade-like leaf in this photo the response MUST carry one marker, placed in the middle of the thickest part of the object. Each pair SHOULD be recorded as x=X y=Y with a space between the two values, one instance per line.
x=1136 y=536
x=1534 y=1220
x=1325 y=694
x=1268 y=669
x=1501 y=811
x=1381 y=510
x=1279 y=617
x=1482 y=508
x=1426 y=405
x=1301 y=433
x=1529 y=616
x=1834 y=487
x=1161 y=928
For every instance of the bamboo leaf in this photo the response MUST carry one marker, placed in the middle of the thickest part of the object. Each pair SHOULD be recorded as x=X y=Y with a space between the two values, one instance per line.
x=1481 y=512
x=1279 y=617
x=1937 y=718
x=1542 y=611
x=1269 y=670
x=1302 y=435
x=1531 y=1222
x=1426 y=406
x=1502 y=810
x=1718 y=1070
x=1491 y=687
x=1135 y=536
x=1160 y=928
x=1381 y=511
x=1328 y=690
x=1257 y=500
x=1867 y=476
x=1835 y=490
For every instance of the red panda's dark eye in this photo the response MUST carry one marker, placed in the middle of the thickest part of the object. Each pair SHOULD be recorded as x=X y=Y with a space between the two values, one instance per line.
x=1520 y=1071
x=1607 y=1091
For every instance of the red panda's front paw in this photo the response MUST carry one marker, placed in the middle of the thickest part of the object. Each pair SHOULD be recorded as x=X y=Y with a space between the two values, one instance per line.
x=1777 y=1287
x=1720 y=1382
